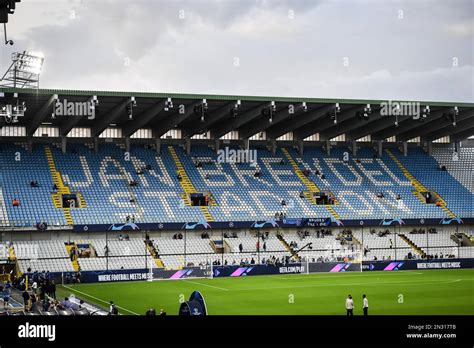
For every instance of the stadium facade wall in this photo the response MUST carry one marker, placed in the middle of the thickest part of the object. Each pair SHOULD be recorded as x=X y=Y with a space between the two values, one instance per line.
x=255 y=270
x=271 y=223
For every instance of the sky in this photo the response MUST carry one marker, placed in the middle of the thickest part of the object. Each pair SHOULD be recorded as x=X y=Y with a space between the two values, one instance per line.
x=368 y=49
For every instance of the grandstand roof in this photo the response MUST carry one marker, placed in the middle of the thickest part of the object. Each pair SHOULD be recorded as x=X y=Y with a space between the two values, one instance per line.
x=150 y=113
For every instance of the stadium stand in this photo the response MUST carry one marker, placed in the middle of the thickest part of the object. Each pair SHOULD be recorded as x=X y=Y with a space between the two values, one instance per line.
x=460 y=169
x=195 y=250
x=101 y=182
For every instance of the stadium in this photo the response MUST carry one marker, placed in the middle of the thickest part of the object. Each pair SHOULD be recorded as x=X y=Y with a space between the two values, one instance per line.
x=114 y=202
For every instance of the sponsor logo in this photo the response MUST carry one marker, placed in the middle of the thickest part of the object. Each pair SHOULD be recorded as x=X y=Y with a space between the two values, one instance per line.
x=196 y=225
x=123 y=277
x=429 y=265
x=127 y=226
x=292 y=269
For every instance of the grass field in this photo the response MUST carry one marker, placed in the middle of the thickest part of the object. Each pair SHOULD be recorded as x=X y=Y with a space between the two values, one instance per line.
x=390 y=293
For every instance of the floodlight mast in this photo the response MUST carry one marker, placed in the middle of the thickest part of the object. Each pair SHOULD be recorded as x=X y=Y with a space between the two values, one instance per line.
x=25 y=70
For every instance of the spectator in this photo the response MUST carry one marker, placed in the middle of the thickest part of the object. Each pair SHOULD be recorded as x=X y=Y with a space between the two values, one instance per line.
x=26 y=298
x=162 y=312
x=45 y=304
x=5 y=295
x=34 y=287
x=151 y=311
x=34 y=300
x=349 y=306
x=113 y=310
x=365 y=306
x=53 y=289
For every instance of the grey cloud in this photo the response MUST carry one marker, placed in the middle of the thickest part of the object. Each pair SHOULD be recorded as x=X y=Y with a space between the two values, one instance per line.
x=409 y=58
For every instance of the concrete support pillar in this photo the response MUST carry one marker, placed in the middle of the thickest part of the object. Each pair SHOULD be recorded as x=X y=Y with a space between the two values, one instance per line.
x=430 y=148
x=127 y=144
x=300 y=147
x=354 y=148
x=457 y=146
x=63 y=144
x=273 y=146
x=158 y=146
x=405 y=148
x=30 y=144
x=246 y=142
x=217 y=145
x=379 y=148
x=96 y=144
x=328 y=147
x=188 y=146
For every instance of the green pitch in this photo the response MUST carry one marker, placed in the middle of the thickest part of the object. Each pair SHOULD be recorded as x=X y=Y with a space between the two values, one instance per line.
x=390 y=293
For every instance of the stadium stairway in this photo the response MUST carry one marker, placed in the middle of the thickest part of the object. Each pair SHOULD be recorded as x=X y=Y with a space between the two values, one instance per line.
x=287 y=247
x=11 y=253
x=188 y=186
x=419 y=187
x=416 y=248
x=69 y=248
x=356 y=241
x=466 y=240
x=62 y=189
x=309 y=184
x=159 y=263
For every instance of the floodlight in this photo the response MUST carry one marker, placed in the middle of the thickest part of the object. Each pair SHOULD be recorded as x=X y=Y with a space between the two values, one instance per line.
x=273 y=106
x=168 y=104
x=304 y=107
x=130 y=107
x=24 y=71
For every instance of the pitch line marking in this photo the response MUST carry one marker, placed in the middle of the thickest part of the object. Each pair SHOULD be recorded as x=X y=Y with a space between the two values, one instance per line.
x=211 y=286
x=98 y=299
x=348 y=284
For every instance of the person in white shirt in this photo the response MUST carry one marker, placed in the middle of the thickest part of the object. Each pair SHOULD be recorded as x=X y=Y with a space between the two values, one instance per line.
x=34 y=287
x=350 y=306
x=365 y=306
